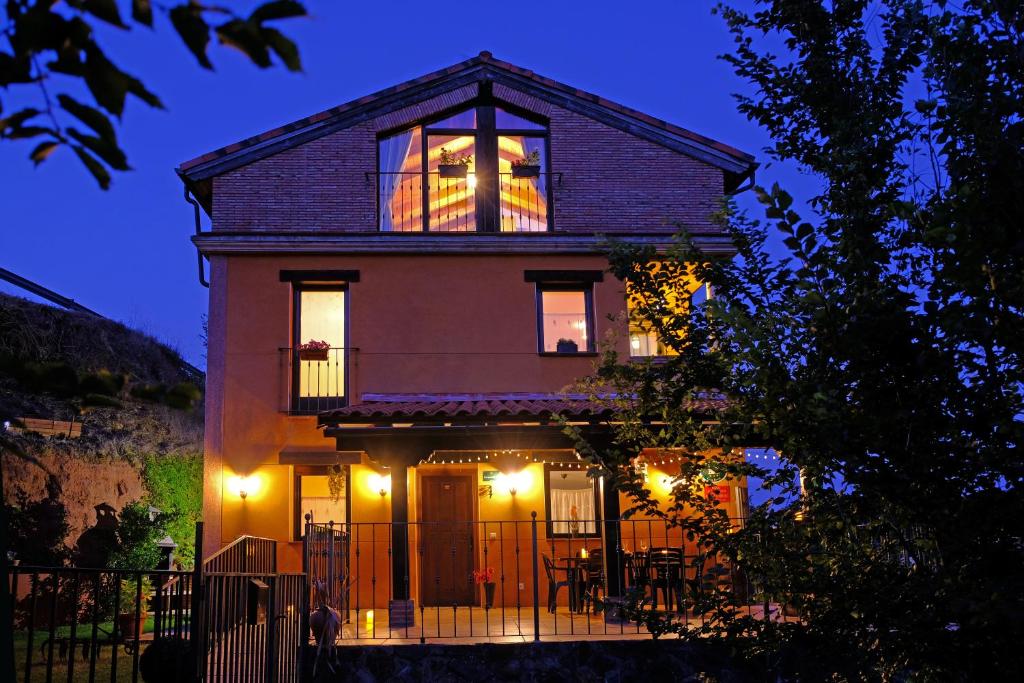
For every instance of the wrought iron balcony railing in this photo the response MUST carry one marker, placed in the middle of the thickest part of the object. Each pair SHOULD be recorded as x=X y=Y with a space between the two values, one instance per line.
x=463 y=204
x=317 y=379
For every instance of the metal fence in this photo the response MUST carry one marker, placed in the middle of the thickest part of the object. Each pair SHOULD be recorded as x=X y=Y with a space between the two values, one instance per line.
x=79 y=624
x=543 y=583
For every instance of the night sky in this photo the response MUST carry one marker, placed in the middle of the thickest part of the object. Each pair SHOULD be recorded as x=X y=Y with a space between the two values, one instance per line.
x=126 y=252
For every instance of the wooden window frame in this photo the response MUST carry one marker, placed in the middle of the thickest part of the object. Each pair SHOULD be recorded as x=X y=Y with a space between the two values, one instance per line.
x=485 y=145
x=295 y=401
x=588 y=302
x=298 y=514
x=549 y=523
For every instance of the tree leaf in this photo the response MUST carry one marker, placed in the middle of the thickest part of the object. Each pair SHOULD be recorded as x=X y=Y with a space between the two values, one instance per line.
x=142 y=12
x=94 y=167
x=24 y=132
x=104 y=149
x=42 y=151
x=277 y=9
x=245 y=36
x=90 y=116
x=17 y=118
x=106 y=10
x=107 y=83
x=194 y=31
x=284 y=48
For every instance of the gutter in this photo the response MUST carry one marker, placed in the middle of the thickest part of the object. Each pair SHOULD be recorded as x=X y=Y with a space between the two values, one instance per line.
x=199 y=230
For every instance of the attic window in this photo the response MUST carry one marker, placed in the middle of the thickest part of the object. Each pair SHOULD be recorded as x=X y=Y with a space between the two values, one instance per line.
x=482 y=169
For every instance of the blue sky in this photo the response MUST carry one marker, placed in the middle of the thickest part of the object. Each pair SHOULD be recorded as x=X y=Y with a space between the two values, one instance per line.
x=126 y=252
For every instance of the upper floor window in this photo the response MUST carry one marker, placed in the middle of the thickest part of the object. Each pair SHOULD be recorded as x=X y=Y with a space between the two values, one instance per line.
x=483 y=169
x=319 y=335
x=566 y=318
x=643 y=339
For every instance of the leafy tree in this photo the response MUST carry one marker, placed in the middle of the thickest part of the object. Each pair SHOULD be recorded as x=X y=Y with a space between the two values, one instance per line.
x=174 y=483
x=50 y=50
x=881 y=359
x=137 y=536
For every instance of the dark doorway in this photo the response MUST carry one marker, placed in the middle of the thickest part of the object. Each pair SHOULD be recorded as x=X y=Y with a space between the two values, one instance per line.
x=447 y=540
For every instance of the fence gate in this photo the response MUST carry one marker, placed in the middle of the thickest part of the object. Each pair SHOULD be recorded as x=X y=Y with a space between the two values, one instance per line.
x=250 y=615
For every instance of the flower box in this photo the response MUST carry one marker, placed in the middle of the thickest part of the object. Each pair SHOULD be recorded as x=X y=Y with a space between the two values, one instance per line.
x=313 y=354
x=525 y=171
x=453 y=170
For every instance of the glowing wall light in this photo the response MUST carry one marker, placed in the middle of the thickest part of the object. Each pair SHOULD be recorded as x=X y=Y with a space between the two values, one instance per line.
x=380 y=484
x=515 y=482
x=243 y=485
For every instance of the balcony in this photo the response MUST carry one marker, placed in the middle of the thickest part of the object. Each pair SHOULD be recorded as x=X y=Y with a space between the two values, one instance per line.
x=463 y=204
x=316 y=382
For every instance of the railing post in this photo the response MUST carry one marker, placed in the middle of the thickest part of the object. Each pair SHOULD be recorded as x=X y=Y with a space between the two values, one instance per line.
x=536 y=578
x=196 y=623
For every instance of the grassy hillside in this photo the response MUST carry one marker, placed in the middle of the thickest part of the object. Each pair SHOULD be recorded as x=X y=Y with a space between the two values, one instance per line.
x=140 y=407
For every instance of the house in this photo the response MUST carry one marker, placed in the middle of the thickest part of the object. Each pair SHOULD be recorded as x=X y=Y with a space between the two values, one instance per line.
x=400 y=289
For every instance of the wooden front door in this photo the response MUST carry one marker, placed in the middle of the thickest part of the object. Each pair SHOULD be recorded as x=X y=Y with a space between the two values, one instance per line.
x=447 y=541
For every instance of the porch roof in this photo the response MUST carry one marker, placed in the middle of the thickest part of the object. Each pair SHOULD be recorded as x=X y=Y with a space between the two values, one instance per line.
x=487 y=408
x=467 y=408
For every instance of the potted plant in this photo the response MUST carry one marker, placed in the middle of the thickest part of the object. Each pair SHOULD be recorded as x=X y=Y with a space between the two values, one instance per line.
x=314 y=350
x=527 y=167
x=486 y=577
x=454 y=165
x=130 y=622
x=566 y=346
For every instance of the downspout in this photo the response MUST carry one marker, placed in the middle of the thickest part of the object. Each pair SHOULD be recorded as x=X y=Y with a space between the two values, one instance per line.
x=199 y=255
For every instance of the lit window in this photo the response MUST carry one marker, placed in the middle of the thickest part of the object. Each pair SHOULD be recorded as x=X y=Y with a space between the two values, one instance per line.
x=314 y=496
x=319 y=365
x=566 y=320
x=571 y=503
x=643 y=340
x=494 y=178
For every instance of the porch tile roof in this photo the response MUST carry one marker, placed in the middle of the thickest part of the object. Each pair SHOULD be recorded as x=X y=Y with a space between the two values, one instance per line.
x=513 y=406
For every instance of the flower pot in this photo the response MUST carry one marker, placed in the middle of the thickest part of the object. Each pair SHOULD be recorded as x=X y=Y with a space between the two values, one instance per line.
x=130 y=626
x=489 y=595
x=453 y=170
x=525 y=171
x=567 y=346
x=313 y=354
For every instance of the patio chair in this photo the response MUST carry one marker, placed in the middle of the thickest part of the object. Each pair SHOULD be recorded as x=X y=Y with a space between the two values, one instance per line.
x=553 y=583
x=593 y=578
x=638 y=571
x=667 y=564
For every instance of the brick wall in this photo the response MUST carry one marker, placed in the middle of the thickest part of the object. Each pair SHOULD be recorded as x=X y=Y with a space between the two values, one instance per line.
x=611 y=180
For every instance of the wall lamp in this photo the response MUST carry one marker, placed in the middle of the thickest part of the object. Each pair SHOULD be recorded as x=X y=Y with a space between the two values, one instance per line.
x=242 y=485
x=381 y=483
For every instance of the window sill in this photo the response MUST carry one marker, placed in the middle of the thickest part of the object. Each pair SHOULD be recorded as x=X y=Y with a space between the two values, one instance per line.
x=576 y=354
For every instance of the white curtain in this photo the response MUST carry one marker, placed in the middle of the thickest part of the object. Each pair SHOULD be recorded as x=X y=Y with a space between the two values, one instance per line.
x=562 y=503
x=393 y=152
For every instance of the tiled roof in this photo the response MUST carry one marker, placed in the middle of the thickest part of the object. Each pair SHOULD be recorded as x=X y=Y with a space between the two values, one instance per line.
x=480 y=407
x=483 y=60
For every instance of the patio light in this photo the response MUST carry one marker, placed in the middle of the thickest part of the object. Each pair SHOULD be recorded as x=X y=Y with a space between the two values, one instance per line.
x=381 y=483
x=242 y=485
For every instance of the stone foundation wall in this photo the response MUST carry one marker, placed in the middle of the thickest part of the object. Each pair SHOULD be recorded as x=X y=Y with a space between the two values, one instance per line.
x=594 y=660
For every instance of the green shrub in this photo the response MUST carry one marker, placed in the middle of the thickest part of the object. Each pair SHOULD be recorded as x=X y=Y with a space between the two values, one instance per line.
x=137 y=537
x=148 y=392
x=182 y=396
x=175 y=485
x=102 y=382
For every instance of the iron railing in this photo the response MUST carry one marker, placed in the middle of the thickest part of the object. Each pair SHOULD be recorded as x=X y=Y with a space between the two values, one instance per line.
x=450 y=204
x=246 y=554
x=543 y=586
x=93 y=624
x=316 y=381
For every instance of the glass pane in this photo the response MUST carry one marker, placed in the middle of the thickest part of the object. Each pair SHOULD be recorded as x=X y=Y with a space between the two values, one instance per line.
x=322 y=318
x=452 y=190
x=464 y=119
x=524 y=190
x=316 y=498
x=573 y=511
x=400 y=182
x=504 y=119
x=564 y=321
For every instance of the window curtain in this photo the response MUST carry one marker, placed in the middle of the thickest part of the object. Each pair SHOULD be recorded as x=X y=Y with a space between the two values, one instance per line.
x=393 y=152
x=537 y=145
x=563 y=502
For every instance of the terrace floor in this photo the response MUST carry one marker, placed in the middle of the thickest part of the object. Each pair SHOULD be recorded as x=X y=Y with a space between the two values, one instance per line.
x=474 y=624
